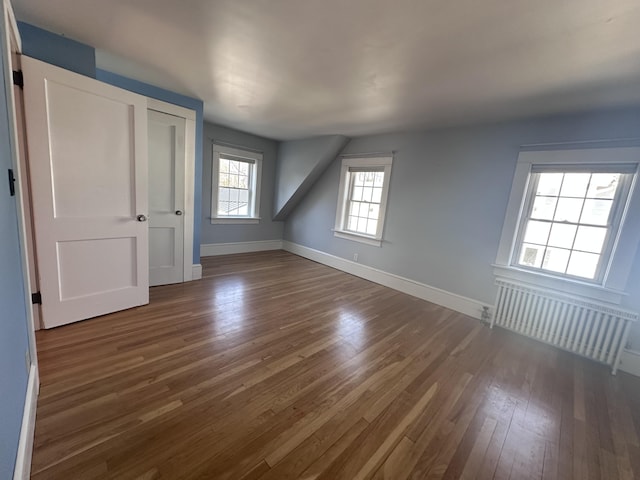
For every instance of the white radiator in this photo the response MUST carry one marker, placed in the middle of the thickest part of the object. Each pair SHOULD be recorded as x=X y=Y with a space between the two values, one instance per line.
x=587 y=328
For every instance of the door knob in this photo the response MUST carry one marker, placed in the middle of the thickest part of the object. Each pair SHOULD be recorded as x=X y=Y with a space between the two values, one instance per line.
x=178 y=212
x=142 y=218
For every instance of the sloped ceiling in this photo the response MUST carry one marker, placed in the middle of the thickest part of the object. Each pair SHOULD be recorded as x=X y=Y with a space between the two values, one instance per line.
x=290 y=69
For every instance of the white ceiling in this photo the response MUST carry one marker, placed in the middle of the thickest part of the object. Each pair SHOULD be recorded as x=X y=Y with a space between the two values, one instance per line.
x=295 y=68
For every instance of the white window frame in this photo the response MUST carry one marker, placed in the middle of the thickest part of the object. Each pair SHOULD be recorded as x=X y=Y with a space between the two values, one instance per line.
x=612 y=282
x=344 y=189
x=255 y=161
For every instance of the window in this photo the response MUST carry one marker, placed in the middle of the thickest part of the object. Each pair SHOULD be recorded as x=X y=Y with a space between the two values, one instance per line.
x=573 y=215
x=235 y=196
x=571 y=222
x=364 y=183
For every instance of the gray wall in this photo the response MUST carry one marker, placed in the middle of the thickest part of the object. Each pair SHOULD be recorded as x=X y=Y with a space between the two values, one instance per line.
x=14 y=343
x=300 y=163
x=447 y=200
x=266 y=229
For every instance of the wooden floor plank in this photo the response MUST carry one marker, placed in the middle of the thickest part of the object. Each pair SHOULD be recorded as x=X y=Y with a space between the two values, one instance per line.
x=274 y=367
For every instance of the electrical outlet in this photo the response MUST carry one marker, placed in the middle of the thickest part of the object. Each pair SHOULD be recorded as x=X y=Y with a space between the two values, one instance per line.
x=355 y=257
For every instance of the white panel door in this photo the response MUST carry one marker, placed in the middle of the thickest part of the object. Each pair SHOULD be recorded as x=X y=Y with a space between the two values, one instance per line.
x=166 y=198
x=88 y=161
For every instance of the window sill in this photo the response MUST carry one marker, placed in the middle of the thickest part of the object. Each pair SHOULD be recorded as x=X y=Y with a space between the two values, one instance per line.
x=564 y=285
x=376 y=242
x=235 y=220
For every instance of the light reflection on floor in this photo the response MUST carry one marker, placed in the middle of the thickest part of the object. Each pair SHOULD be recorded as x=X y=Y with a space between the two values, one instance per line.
x=228 y=302
x=352 y=328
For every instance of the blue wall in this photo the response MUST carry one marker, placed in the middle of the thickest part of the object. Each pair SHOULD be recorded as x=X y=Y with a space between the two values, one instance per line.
x=80 y=58
x=13 y=317
x=57 y=50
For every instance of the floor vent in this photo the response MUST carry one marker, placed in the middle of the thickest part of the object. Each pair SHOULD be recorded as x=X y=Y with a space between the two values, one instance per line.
x=587 y=328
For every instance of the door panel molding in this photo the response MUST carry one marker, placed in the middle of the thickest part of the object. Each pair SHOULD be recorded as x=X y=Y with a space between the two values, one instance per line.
x=189 y=176
x=99 y=144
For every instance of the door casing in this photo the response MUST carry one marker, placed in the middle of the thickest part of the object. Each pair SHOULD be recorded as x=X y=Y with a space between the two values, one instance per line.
x=189 y=176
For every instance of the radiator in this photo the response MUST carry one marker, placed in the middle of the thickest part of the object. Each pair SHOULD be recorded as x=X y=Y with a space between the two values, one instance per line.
x=590 y=329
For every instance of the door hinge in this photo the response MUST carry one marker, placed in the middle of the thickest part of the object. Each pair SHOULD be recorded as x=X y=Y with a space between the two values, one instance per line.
x=36 y=298
x=12 y=183
x=18 y=78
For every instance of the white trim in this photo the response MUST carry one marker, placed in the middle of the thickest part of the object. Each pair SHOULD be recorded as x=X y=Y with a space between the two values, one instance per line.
x=189 y=194
x=566 y=285
x=12 y=33
x=189 y=177
x=254 y=190
x=171 y=109
x=629 y=234
x=214 y=249
x=343 y=197
x=467 y=306
x=630 y=362
x=196 y=271
x=356 y=237
x=234 y=220
x=22 y=470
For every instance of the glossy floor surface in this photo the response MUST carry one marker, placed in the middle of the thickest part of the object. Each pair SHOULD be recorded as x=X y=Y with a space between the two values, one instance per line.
x=275 y=367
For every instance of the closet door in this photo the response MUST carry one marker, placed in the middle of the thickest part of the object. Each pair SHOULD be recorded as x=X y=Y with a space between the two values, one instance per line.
x=87 y=146
x=166 y=198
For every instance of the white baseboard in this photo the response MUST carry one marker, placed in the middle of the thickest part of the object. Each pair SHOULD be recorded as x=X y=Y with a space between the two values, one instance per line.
x=630 y=362
x=196 y=271
x=22 y=470
x=213 y=249
x=456 y=302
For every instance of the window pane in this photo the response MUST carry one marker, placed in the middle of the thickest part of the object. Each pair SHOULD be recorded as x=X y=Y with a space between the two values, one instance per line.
x=603 y=185
x=366 y=194
x=369 y=179
x=243 y=168
x=562 y=235
x=243 y=181
x=544 y=208
x=575 y=184
x=590 y=239
x=596 y=212
x=224 y=165
x=379 y=180
x=549 y=184
x=374 y=211
x=556 y=259
x=372 y=225
x=359 y=180
x=583 y=264
x=531 y=255
x=377 y=195
x=243 y=196
x=568 y=210
x=356 y=194
x=354 y=208
x=224 y=180
x=223 y=194
x=223 y=208
x=537 y=232
x=352 y=223
x=362 y=224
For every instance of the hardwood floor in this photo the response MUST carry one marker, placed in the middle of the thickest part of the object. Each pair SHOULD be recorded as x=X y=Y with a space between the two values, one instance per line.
x=273 y=367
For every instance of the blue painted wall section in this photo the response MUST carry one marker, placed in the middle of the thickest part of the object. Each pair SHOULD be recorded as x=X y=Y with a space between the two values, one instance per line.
x=80 y=58
x=14 y=341
x=184 y=101
x=57 y=50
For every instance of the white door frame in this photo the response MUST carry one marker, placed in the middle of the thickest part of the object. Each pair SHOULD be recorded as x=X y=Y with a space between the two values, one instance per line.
x=13 y=38
x=189 y=175
x=12 y=44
